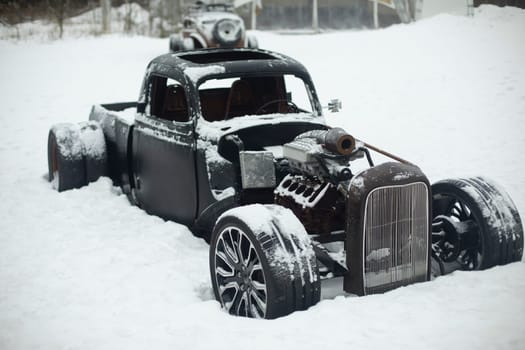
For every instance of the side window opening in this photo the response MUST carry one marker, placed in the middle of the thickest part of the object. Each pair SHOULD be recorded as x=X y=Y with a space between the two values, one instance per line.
x=168 y=100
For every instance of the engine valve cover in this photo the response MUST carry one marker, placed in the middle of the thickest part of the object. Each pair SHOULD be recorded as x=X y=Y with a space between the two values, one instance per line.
x=318 y=205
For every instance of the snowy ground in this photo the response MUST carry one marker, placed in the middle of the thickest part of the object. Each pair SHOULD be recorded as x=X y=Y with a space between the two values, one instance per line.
x=85 y=270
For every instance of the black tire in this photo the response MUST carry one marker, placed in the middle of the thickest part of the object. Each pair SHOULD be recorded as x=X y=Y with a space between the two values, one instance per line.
x=76 y=155
x=65 y=160
x=189 y=44
x=93 y=150
x=269 y=259
x=175 y=43
x=222 y=32
x=252 y=42
x=490 y=218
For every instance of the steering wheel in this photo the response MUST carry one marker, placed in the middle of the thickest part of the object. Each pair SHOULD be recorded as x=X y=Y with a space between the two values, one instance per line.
x=291 y=107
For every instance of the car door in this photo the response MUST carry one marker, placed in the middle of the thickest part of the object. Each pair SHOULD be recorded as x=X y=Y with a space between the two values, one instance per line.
x=164 y=153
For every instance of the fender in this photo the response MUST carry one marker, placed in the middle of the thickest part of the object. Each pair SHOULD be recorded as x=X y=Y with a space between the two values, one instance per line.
x=200 y=39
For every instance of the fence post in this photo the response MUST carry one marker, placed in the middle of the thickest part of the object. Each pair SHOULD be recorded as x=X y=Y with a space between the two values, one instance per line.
x=315 y=20
x=106 y=15
x=376 y=18
x=254 y=14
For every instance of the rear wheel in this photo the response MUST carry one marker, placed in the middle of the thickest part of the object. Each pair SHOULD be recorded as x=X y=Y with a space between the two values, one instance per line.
x=76 y=155
x=188 y=44
x=175 y=43
x=93 y=150
x=475 y=225
x=252 y=42
x=65 y=160
x=262 y=263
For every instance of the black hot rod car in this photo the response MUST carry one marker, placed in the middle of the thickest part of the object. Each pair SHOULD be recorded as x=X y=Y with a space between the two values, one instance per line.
x=232 y=143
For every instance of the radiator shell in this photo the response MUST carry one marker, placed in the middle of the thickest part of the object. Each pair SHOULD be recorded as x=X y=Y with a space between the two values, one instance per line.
x=408 y=186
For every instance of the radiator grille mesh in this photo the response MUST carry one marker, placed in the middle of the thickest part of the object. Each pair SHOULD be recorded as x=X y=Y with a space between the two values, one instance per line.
x=396 y=237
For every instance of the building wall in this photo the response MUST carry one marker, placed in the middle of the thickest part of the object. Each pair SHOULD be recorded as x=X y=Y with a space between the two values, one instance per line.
x=332 y=14
x=516 y=3
x=434 y=7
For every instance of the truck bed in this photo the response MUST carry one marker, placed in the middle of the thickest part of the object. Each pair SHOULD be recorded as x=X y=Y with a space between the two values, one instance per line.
x=117 y=120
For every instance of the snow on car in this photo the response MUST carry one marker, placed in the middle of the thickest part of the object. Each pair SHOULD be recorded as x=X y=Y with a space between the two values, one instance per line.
x=232 y=143
x=211 y=26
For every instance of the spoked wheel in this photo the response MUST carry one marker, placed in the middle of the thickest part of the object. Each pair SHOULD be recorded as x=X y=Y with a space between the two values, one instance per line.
x=456 y=236
x=239 y=274
x=476 y=225
x=262 y=263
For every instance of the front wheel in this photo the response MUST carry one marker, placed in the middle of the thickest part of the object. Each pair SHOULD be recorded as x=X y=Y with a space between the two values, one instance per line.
x=262 y=263
x=475 y=225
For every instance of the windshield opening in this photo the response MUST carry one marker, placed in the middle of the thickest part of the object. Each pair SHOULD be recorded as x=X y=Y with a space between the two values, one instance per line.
x=228 y=98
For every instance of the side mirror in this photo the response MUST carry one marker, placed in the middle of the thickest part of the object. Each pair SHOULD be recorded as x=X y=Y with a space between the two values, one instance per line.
x=335 y=106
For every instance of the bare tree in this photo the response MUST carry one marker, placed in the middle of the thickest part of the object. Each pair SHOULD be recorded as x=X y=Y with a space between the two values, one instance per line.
x=164 y=16
x=128 y=22
x=315 y=17
x=11 y=15
x=58 y=9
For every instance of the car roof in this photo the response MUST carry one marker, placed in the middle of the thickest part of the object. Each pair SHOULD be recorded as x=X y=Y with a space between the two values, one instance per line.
x=196 y=66
x=203 y=7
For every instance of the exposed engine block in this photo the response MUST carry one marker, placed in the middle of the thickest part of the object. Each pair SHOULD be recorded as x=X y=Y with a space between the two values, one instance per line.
x=318 y=162
x=319 y=205
x=323 y=154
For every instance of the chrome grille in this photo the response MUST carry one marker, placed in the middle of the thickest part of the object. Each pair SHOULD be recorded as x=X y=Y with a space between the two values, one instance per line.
x=396 y=233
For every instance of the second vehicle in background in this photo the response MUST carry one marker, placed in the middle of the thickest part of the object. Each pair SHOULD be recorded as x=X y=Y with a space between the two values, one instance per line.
x=211 y=25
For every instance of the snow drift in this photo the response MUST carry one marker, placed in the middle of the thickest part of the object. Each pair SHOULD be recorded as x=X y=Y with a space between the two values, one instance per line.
x=85 y=270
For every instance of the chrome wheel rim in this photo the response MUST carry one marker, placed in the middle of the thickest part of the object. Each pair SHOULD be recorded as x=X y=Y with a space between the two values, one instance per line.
x=239 y=276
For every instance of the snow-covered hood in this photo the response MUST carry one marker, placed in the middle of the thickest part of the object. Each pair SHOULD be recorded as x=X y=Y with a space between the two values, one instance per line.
x=213 y=131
